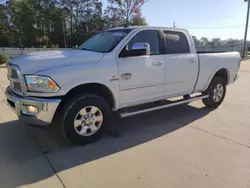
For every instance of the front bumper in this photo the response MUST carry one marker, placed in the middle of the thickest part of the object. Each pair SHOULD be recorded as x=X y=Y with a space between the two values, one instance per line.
x=46 y=108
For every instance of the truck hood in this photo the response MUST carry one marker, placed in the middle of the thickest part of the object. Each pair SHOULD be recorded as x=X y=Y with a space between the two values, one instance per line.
x=32 y=63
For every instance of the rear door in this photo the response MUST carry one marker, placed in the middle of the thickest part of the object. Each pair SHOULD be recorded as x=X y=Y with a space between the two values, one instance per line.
x=181 y=64
x=142 y=78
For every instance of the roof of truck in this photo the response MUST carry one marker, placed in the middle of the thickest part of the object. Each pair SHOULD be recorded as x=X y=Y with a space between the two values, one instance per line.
x=149 y=27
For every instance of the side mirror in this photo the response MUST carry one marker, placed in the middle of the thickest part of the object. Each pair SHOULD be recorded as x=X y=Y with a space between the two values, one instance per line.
x=142 y=46
x=138 y=49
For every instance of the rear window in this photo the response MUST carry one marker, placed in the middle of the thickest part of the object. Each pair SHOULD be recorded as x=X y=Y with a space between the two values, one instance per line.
x=176 y=42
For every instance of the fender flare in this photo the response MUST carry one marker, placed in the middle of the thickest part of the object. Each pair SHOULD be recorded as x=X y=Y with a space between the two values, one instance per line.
x=213 y=74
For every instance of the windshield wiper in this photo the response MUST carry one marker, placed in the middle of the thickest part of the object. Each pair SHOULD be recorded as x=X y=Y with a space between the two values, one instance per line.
x=87 y=49
x=91 y=50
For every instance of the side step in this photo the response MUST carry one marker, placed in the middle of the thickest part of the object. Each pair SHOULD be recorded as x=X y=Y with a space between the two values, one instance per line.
x=159 y=107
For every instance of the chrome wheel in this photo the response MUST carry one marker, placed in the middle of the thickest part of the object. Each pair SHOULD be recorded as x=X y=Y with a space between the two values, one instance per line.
x=218 y=92
x=88 y=121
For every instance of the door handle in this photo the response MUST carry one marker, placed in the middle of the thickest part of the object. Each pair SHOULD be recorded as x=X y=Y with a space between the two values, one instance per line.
x=192 y=60
x=157 y=63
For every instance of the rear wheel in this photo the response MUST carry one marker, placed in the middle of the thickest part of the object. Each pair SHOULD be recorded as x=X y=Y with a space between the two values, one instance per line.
x=85 y=119
x=216 y=93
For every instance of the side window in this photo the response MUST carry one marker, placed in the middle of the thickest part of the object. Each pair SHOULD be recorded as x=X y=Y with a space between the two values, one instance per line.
x=176 y=42
x=147 y=36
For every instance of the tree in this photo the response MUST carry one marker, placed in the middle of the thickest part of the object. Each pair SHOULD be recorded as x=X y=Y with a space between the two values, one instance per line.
x=39 y=23
x=22 y=22
x=204 y=41
x=82 y=16
x=197 y=42
x=4 y=27
x=138 y=20
x=56 y=27
x=120 y=12
x=215 y=42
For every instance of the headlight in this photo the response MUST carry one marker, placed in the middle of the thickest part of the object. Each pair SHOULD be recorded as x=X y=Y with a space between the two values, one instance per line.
x=41 y=84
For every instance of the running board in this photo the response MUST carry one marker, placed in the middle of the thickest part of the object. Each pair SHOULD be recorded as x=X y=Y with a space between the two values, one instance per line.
x=174 y=103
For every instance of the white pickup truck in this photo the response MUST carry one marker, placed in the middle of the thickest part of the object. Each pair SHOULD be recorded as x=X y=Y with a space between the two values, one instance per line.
x=79 y=90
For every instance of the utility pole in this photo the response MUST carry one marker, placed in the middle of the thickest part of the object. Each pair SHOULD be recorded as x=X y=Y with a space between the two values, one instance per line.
x=246 y=29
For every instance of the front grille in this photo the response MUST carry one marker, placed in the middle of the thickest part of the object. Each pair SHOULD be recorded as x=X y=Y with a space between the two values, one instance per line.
x=14 y=77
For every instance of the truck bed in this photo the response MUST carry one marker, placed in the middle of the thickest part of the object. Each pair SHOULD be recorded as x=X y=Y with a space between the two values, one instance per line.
x=210 y=63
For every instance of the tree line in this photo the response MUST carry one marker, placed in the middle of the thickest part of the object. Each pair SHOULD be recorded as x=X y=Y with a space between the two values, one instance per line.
x=67 y=23
x=62 y=23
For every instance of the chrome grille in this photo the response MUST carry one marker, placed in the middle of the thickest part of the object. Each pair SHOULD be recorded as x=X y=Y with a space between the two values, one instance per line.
x=14 y=78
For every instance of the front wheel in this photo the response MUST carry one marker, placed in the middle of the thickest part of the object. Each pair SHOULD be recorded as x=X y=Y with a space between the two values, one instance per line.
x=85 y=119
x=216 y=93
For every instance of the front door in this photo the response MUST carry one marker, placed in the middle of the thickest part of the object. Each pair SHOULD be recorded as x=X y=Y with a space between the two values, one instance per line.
x=142 y=78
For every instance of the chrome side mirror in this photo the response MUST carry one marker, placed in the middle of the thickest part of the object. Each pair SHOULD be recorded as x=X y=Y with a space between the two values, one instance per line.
x=144 y=47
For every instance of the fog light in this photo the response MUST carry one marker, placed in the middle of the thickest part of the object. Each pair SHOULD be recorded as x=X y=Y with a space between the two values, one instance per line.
x=32 y=109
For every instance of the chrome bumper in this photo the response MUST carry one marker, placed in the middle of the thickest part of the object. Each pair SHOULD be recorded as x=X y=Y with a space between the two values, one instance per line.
x=46 y=108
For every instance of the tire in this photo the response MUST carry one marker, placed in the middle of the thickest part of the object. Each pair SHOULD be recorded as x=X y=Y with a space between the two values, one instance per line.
x=80 y=115
x=216 y=92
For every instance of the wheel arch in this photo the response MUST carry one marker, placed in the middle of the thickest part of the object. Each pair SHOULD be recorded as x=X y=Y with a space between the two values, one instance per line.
x=222 y=73
x=93 y=88
x=98 y=89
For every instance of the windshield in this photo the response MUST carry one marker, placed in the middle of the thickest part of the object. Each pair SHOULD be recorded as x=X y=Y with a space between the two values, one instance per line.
x=104 y=42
